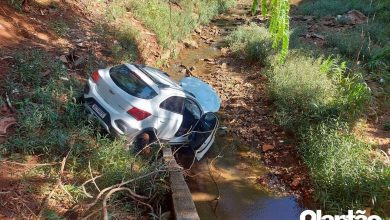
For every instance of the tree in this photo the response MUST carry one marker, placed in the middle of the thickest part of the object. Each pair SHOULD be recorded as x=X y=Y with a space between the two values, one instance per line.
x=279 y=25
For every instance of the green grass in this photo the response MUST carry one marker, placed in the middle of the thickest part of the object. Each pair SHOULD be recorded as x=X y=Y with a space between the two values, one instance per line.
x=51 y=123
x=252 y=42
x=126 y=50
x=309 y=91
x=173 y=25
x=60 y=27
x=344 y=171
x=320 y=99
x=322 y=8
x=15 y=3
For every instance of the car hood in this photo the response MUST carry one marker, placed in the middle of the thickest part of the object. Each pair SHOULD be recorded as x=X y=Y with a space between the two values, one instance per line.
x=203 y=92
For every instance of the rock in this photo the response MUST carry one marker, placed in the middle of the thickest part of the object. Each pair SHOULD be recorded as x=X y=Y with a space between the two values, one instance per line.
x=224 y=50
x=46 y=73
x=208 y=59
x=198 y=30
x=356 y=17
x=267 y=147
x=165 y=55
x=63 y=59
x=191 y=44
x=79 y=61
x=224 y=65
x=314 y=35
x=295 y=183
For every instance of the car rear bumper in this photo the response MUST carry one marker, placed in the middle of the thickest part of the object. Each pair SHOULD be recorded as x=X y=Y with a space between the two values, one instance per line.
x=114 y=123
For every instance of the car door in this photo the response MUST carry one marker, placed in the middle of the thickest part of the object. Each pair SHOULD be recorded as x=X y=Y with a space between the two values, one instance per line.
x=203 y=134
x=170 y=116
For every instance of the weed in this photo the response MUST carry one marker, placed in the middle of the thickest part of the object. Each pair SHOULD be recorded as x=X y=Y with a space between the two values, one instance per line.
x=345 y=174
x=253 y=42
x=60 y=27
x=336 y=7
x=115 y=10
x=351 y=43
x=126 y=50
x=16 y=3
x=172 y=25
x=303 y=93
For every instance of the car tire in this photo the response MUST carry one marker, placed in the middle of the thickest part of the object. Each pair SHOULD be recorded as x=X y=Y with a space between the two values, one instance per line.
x=141 y=143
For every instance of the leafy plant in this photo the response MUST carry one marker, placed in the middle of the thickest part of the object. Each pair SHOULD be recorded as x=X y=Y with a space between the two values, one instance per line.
x=279 y=23
x=253 y=42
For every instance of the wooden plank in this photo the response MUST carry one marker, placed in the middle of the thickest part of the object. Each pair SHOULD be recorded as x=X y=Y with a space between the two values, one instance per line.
x=183 y=205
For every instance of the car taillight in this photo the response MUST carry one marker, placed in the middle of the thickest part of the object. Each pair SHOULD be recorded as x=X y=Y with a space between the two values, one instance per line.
x=138 y=113
x=95 y=76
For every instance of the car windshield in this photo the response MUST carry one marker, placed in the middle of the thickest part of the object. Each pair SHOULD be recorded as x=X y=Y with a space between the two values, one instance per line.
x=131 y=83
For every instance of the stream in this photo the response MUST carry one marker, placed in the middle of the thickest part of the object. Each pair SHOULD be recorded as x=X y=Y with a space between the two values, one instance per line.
x=224 y=185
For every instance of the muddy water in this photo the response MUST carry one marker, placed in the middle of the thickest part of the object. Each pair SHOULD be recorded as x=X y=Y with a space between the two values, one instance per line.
x=224 y=184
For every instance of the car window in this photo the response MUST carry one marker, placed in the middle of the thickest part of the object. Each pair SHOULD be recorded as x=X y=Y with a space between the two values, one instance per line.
x=193 y=108
x=157 y=76
x=129 y=82
x=173 y=104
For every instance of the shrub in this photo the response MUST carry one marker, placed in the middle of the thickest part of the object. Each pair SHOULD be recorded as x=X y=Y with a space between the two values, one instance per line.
x=336 y=7
x=253 y=42
x=309 y=91
x=172 y=25
x=303 y=93
x=344 y=172
x=350 y=43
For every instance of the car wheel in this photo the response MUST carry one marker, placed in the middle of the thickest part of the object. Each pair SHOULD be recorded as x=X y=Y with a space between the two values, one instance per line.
x=141 y=143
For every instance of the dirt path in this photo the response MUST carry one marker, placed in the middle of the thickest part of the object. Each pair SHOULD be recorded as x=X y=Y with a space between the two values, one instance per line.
x=246 y=110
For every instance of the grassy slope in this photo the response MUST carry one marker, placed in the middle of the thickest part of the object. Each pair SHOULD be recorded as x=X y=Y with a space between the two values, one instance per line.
x=52 y=123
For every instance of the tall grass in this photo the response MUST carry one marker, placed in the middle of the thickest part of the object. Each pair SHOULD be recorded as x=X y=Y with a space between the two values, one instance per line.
x=320 y=99
x=309 y=91
x=344 y=171
x=253 y=42
x=172 y=24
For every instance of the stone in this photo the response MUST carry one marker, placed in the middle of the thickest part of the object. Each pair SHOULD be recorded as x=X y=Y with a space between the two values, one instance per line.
x=295 y=183
x=224 y=50
x=356 y=17
x=267 y=147
x=191 y=44
x=63 y=59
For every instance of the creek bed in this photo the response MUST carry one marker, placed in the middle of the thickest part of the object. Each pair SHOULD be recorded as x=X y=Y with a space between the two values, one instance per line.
x=226 y=186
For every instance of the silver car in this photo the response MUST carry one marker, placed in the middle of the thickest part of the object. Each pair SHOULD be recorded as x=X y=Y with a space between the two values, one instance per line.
x=144 y=104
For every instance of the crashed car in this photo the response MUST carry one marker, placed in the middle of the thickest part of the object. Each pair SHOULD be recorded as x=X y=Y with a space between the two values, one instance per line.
x=144 y=104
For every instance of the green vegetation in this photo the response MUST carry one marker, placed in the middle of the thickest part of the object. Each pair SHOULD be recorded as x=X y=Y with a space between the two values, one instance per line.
x=253 y=42
x=279 y=24
x=310 y=91
x=366 y=43
x=60 y=27
x=174 y=22
x=318 y=100
x=52 y=123
x=344 y=171
x=16 y=3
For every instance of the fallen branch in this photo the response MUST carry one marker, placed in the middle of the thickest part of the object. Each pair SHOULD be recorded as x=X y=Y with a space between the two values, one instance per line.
x=58 y=184
x=133 y=195
x=88 y=206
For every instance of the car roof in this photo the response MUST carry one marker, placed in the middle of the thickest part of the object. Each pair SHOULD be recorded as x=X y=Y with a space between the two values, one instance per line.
x=159 y=77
